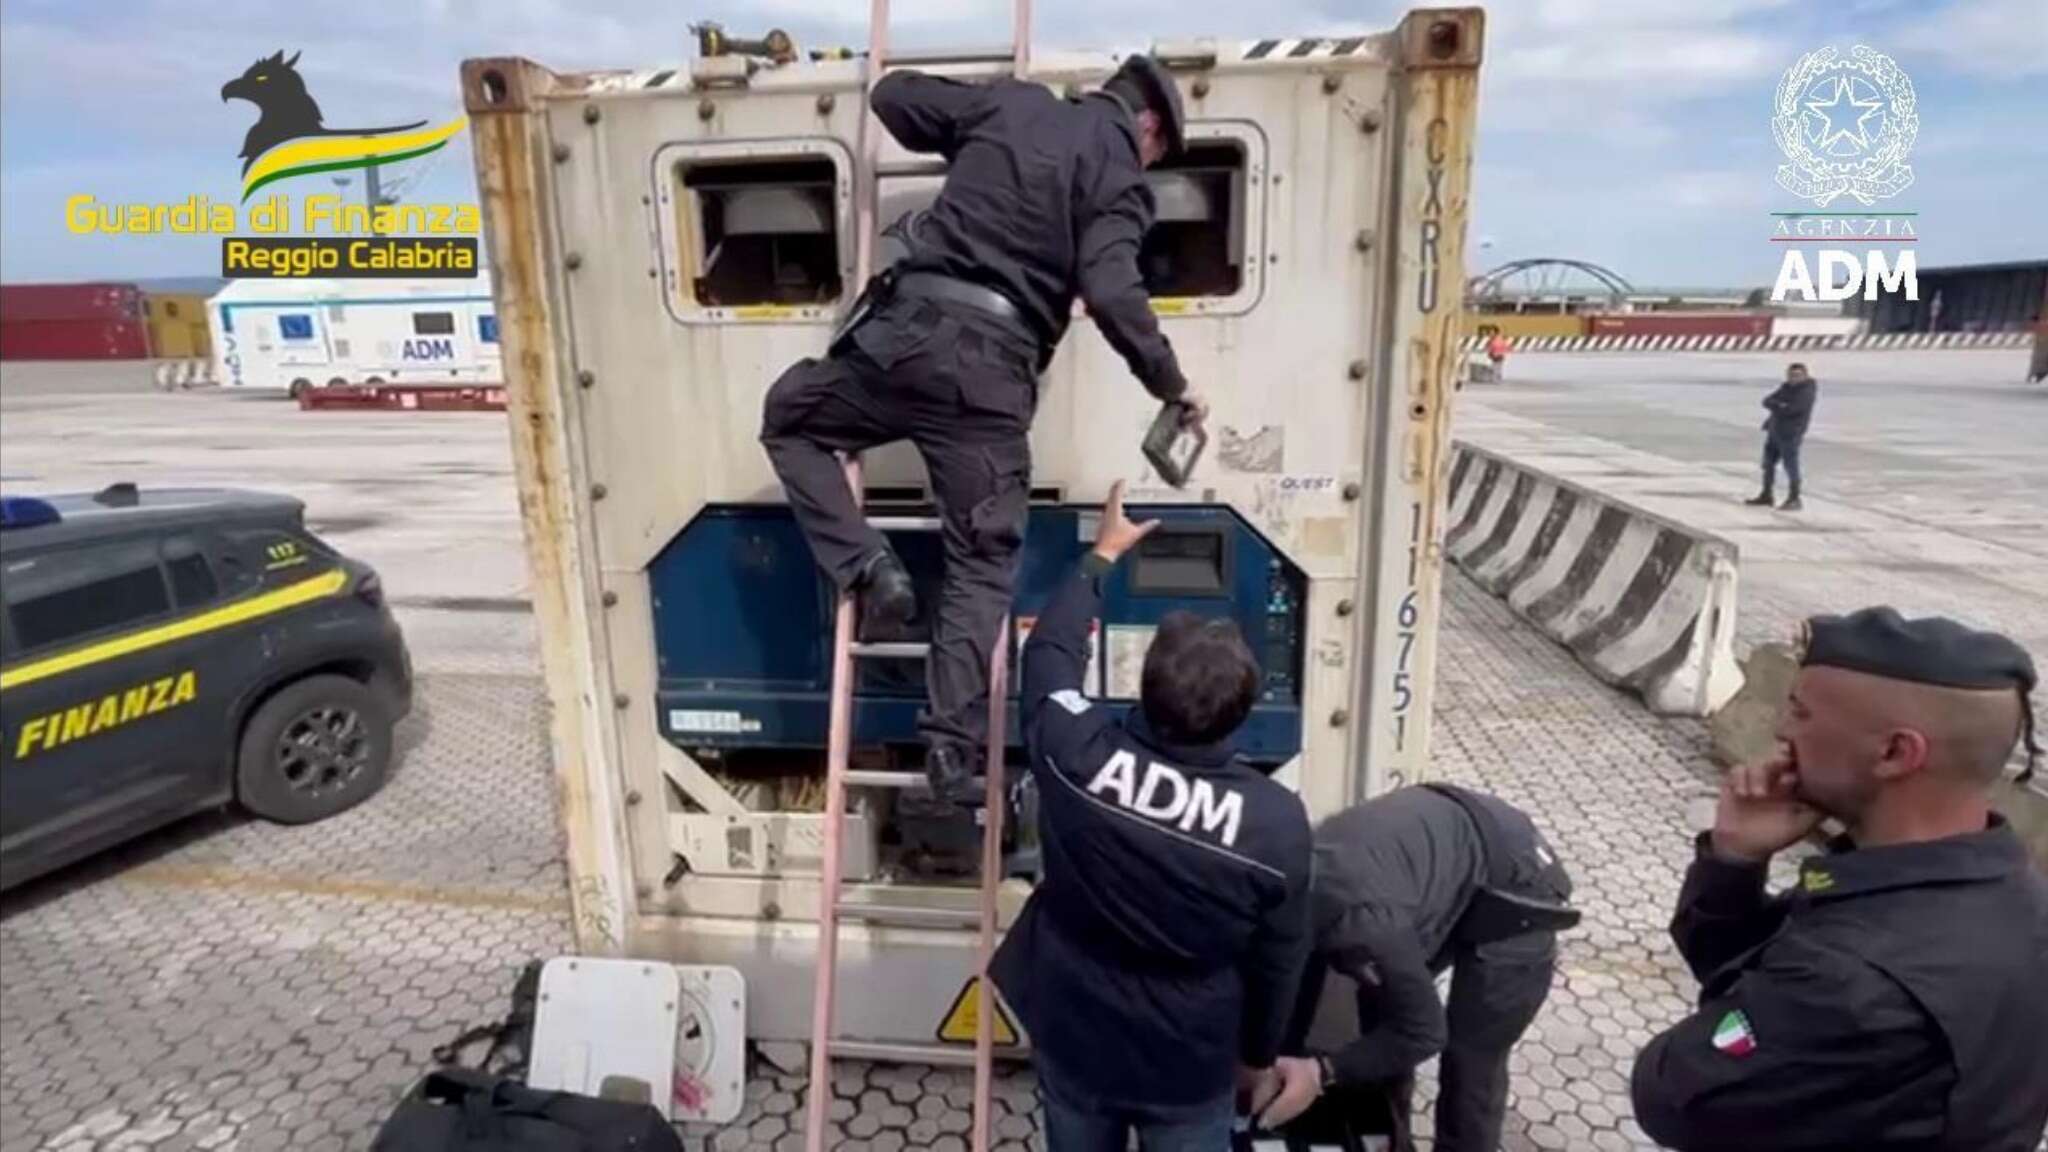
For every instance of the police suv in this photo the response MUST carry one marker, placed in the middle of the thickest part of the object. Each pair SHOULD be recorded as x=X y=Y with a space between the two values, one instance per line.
x=170 y=650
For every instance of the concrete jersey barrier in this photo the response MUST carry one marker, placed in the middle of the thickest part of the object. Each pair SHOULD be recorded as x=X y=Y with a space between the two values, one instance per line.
x=1645 y=603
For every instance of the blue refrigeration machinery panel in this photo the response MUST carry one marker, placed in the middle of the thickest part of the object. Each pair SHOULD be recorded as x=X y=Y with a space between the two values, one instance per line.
x=742 y=621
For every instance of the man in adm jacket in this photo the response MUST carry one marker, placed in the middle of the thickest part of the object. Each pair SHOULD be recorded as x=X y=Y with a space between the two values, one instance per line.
x=1161 y=949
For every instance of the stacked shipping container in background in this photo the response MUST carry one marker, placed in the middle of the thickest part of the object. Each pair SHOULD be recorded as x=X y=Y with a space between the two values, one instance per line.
x=177 y=325
x=1564 y=325
x=1525 y=325
x=72 y=322
x=101 y=321
x=1679 y=324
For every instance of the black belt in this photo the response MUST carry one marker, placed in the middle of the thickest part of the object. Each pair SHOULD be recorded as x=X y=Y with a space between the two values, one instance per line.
x=933 y=286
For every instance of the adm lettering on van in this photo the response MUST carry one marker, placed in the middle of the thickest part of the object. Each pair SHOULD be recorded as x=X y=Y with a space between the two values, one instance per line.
x=441 y=348
x=1167 y=796
x=93 y=717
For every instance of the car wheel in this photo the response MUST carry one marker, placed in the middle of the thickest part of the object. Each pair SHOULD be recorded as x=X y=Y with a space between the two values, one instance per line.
x=318 y=747
x=300 y=386
x=337 y=382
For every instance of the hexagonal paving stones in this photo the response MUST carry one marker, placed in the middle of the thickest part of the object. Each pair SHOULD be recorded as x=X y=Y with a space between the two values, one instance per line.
x=232 y=983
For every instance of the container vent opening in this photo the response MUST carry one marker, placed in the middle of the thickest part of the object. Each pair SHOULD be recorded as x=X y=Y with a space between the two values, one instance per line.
x=1196 y=246
x=762 y=231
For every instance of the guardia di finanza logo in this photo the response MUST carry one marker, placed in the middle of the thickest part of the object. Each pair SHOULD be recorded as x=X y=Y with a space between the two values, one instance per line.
x=330 y=235
x=291 y=138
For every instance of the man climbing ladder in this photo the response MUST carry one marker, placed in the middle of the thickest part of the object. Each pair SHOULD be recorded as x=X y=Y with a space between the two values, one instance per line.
x=1044 y=199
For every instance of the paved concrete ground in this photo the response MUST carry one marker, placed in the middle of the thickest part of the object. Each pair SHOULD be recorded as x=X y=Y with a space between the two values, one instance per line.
x=72 y=377
x=1925 y=475
x=232 y=984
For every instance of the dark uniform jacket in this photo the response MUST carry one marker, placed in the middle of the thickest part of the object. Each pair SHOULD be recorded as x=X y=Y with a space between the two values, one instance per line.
x=1896 y=998
x=1163 y=945
x=1791 y=408
x=1044 y=198
x=1393 y=877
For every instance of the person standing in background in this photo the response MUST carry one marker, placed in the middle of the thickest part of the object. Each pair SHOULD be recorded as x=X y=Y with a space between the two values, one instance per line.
x=1791 y=410
x=1497 y=351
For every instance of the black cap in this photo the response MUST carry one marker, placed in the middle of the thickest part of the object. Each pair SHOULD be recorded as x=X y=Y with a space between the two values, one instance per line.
x=1162 y=95
x=1930 y=650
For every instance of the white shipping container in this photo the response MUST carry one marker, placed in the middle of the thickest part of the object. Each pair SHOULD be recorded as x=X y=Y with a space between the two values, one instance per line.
x=667 y=241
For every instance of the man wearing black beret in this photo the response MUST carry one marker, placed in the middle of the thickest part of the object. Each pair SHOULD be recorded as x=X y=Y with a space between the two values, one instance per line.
x=1897 y=996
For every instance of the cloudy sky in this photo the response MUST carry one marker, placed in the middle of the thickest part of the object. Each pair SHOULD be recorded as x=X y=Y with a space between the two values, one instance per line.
x=1635 y=133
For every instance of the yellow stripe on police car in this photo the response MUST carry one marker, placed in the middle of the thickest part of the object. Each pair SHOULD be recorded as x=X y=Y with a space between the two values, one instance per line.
x=79 y=721
x=304 y=591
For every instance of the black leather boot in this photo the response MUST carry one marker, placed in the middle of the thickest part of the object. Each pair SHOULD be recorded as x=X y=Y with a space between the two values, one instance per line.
x=951 y=777
x=888 y=600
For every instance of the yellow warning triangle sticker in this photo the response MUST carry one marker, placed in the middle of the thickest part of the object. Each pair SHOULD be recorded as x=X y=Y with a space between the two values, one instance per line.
x=960 y=1019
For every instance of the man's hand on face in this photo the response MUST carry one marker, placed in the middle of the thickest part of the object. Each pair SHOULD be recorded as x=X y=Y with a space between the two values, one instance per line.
x=1760 y=813
x=1301 y=1081
x=1117 y=534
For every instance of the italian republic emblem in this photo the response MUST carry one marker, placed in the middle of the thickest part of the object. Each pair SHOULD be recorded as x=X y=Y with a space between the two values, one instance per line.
x=1846 y=124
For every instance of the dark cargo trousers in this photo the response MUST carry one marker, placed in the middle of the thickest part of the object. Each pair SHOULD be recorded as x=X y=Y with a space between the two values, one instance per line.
x=962 y=389
x=1782 y=449
x=1496 y=991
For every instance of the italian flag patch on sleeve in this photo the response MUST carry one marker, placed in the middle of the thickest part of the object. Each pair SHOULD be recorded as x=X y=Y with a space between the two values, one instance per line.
x=1732 y=1035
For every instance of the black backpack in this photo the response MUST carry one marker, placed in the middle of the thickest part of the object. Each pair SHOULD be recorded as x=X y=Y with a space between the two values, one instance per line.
x=460 y=1110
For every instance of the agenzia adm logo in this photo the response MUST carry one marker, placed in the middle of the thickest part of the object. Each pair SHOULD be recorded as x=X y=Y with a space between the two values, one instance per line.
x=1846 y=124
x=291 y=138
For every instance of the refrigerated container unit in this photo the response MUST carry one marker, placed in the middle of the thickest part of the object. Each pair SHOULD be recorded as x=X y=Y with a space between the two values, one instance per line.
x=666 y=241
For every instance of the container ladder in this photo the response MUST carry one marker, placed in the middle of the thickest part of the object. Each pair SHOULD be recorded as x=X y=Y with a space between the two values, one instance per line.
x=846 y=648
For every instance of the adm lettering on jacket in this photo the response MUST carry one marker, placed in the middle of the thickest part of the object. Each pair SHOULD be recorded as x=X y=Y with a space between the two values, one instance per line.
x=1165 y=795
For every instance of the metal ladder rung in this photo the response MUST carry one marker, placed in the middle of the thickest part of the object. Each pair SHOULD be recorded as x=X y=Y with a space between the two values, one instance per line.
x=908 y=781
x=927 y=57
x=909 y=915
x=861 y=778
x=905 y=523
x=940 y=1054
x=893 y=650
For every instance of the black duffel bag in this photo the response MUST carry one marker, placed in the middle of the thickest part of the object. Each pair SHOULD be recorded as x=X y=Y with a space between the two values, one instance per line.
x=459 y=1110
